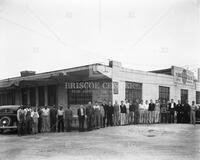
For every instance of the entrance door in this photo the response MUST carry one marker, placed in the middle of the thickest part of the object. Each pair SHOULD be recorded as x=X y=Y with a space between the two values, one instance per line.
x=184 y=95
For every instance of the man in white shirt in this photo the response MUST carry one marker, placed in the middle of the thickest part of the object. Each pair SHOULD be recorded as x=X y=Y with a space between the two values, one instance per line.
x=45 y=119
x=141 y=112
x=127 y=104
x=60 y=119
x=96 y=115
x=193 y=113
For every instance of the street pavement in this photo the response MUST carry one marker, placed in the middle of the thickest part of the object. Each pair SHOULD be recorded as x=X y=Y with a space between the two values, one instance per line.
x=135 y=142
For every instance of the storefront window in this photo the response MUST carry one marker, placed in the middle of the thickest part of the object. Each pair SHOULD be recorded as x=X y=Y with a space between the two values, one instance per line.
x=32 y=96
x=79 y=96
x=41 y=95
x=7 y=98
x=52 y=95
x=133 y=91
x=164 y=93
x=197 y=97
x=184 y=95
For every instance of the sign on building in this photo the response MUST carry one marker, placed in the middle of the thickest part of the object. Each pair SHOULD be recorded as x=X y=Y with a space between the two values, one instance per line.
x=182 y=76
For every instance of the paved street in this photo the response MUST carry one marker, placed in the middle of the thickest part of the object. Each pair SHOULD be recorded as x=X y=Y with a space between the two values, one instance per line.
x=157 y=142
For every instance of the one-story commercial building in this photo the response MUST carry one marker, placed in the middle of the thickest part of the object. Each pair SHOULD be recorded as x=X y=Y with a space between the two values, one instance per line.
x=98 y=82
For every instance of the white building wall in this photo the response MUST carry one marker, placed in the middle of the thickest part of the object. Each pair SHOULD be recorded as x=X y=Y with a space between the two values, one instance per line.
x=150 y=84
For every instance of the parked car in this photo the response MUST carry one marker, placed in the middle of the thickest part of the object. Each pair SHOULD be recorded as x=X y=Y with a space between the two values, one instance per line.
x=8 y=117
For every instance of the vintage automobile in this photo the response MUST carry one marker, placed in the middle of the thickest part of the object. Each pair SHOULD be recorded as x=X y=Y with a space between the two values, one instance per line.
x=8 y=117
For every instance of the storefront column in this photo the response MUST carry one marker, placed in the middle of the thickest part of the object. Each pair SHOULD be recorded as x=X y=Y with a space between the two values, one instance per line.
x=45 y=95
x=37 y=96
x=28 y=96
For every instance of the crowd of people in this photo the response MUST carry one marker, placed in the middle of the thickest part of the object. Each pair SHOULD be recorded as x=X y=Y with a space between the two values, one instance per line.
x=99 y=115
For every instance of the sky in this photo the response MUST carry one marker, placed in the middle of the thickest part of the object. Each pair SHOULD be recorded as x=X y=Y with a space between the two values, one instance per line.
x=47 y=35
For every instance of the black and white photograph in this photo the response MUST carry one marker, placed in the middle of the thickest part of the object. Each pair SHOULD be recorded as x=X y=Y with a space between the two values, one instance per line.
x=99 y=79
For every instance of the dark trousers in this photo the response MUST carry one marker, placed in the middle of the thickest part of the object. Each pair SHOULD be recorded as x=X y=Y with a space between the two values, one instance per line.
x=28 y=126
x=104 y=121
x=109 y=120
x=53 y=124
x=39 y=124
x=171 y=116
x=89 y=122
x=186 y=117
x=136 y=117
x=81 y=120
x=179 y=117
x=68 y=124
x=20 y=128
x=60 y=124
x=164 y=117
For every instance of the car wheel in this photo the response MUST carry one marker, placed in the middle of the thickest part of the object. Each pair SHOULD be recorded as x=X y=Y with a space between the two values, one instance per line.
x=5 y=121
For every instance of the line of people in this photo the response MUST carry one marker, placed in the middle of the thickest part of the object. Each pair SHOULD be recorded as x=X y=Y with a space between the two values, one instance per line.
x=100 y=115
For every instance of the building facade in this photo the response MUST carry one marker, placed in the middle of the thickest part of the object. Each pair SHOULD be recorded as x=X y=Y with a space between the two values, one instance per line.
x=97 y=82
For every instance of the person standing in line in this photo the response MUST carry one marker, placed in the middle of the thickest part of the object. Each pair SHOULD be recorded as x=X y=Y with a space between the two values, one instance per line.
x=137 y=114
x=81 y=117
x=40 y=120
x=89 y=113
x=68 y=118
x=28 y=124
x=127 y=111
x=131 y=112
x=163 y=111
x=102 y=116
x=45 y=119
x=179 y=111
x=53 y=118
x=157 y=112
x=146 y=106
x=151 y=111
x=21 y=121
x=193 y=113
x=141 y=112
x=105 y=106
x=172 y=107
x=34 y=116
x=123 y=113
x=187 y=108
x=116 y=113
x=110 y=114
x=60 y=116
x=97 y=115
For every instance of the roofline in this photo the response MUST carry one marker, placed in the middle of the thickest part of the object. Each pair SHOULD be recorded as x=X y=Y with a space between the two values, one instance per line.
x=49 y=72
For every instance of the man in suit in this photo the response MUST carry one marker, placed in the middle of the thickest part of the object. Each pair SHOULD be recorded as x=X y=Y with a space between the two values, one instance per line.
x=136 y=113
x=186 y=114
x=179 y=110
x=105 y=106
x=89 y=112
x=81 y=117
x=110 y=114
x=172 y=107
x=151 y=111
x=53 y=118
